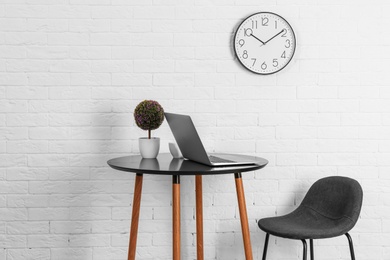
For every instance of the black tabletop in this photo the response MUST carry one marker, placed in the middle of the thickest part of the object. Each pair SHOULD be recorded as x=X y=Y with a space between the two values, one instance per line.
x=165 y=164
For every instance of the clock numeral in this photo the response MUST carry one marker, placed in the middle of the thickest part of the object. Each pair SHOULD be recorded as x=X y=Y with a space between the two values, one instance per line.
x=284 y=33
x=288 y=44
x=254 y=61
x=254 y=24
x=276 y=24
x=245 y=54
x=275 y=62
x=248 y=32
x=264 y=21
x=241 y=42
x=283 y=55
x=263 y=66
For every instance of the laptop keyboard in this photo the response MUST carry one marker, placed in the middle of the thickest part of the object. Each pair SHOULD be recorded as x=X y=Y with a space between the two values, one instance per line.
x=215 y=159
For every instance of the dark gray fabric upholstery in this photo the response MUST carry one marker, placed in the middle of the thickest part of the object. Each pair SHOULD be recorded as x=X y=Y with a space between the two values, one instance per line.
x=330 y=208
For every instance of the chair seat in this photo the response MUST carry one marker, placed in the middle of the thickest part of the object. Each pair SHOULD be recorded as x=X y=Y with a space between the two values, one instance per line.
x=306 y=223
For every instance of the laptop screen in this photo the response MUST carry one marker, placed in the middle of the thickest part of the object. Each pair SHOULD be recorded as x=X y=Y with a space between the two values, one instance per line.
x=187 y=137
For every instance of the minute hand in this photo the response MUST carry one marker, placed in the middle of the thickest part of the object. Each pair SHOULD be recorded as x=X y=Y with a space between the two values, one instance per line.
x=275 y=36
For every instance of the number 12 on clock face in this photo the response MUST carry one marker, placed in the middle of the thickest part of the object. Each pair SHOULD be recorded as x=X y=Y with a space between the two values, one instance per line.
x=264 y=43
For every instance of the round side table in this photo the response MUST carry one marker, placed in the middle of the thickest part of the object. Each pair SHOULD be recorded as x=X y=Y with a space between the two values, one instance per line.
x=164 y=164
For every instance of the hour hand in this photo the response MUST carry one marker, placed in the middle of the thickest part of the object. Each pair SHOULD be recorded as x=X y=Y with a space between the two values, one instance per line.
x=258 y=39
x=250 y=33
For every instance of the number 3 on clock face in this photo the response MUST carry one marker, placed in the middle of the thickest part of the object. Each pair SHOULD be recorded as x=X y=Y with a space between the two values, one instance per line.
x=264 y=43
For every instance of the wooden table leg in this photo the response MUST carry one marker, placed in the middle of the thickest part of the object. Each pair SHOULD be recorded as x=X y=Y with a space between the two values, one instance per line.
x=135 y=216
x=176 y=216
x=199 y=217
x=243 y=216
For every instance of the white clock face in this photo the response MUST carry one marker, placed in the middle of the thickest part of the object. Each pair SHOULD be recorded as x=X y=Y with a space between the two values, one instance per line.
x=264 y=43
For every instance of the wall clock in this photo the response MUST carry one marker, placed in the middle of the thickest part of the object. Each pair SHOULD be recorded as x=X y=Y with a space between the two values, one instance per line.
x=264 y=43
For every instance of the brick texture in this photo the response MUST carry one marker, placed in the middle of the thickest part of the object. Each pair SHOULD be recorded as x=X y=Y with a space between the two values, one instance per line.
x=72 y=72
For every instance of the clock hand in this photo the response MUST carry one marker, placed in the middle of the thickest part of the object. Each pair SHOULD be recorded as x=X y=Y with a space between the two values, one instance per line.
x=275 y=36
x=258 y=39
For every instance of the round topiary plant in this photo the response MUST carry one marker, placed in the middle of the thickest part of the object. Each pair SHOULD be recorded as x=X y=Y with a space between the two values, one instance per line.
x=149 y=115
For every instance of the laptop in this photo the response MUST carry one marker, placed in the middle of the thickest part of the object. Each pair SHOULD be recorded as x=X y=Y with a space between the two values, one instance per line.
x=191 y=146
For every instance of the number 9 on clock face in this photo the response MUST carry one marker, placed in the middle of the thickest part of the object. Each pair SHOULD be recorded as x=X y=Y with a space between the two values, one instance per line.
x=264 y=43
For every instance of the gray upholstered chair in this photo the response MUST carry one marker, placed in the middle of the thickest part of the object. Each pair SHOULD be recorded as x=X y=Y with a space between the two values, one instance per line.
x=330 y=208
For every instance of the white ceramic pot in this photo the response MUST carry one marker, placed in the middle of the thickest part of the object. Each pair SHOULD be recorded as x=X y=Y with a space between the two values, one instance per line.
x=149 y=148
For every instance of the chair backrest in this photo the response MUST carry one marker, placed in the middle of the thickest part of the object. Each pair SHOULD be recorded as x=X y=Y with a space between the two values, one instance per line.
x=335 y=197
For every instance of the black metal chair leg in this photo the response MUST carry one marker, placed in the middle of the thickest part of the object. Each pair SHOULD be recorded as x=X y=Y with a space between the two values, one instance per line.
x=350 y=246
x=265 y=246
x=304 y=249
x=311 y=250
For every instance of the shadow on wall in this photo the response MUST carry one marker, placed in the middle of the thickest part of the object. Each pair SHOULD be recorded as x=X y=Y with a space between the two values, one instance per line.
x=101 y=204
x=231 y=41
x=95 y=195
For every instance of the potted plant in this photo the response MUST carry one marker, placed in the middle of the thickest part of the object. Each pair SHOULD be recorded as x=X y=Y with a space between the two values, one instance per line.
x=149 y=115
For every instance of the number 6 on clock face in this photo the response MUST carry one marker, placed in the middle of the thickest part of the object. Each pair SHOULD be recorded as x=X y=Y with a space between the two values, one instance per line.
x=264 y=43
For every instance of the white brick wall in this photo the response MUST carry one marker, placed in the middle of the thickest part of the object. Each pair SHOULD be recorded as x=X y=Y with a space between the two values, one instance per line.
x=72 y=72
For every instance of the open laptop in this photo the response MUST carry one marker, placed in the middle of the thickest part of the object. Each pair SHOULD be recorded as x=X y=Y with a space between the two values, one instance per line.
x=191 y=146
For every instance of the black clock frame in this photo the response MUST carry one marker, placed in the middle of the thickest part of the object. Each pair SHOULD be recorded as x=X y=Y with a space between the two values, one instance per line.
x=235 y=35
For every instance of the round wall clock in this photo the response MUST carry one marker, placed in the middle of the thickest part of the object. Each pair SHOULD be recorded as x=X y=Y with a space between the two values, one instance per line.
x=264 y=43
